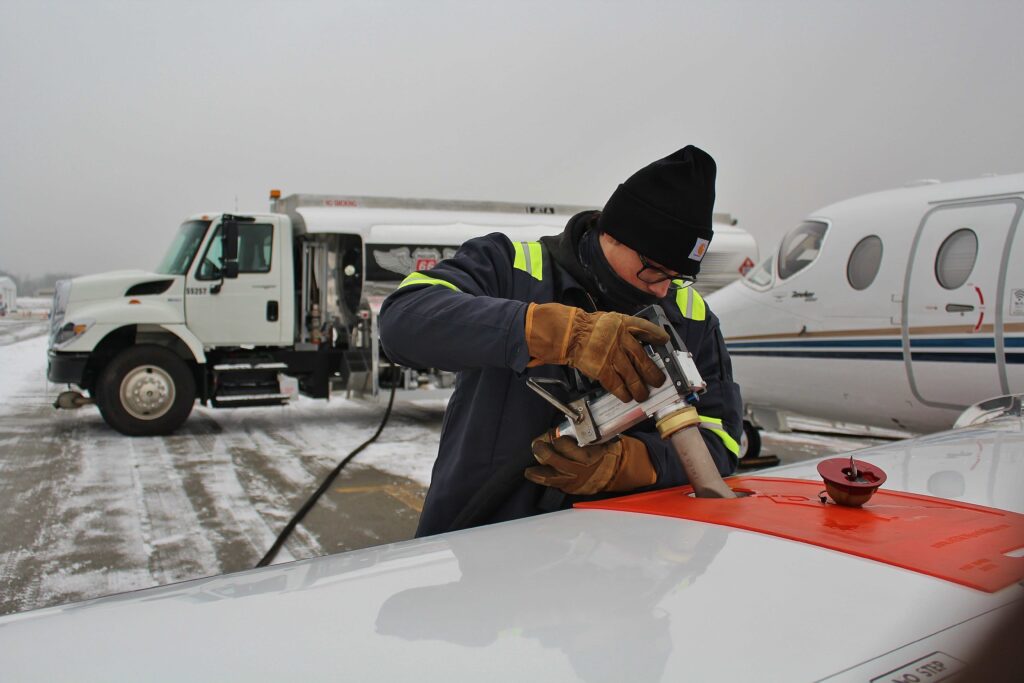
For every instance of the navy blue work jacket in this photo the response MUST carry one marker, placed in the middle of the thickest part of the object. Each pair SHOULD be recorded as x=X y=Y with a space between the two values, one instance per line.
x=467 y=315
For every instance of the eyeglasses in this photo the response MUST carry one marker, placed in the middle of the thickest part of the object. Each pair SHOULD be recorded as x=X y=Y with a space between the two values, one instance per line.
x=653 y=275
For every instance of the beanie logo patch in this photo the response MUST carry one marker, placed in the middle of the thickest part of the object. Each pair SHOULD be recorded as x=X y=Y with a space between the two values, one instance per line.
x=699 y=249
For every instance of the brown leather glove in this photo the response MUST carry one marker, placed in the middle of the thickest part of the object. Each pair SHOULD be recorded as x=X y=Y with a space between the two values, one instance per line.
x=619 y=465
x=601 y=345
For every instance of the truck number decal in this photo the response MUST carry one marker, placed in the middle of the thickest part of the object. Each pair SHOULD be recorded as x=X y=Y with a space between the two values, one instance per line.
x=197 y=290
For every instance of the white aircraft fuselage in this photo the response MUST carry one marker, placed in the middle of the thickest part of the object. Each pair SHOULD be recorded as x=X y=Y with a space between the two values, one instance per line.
x=896 y=309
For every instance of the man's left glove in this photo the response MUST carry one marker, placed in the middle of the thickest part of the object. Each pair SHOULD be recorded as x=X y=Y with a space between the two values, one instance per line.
x=619 y=465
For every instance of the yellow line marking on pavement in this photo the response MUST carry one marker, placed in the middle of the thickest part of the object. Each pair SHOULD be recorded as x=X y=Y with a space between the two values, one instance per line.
x=361 y=489
x=406 y=495
x=410 y=498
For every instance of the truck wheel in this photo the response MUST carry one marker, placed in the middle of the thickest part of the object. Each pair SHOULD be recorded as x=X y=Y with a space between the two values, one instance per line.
x=146 y=391
x=750 y=442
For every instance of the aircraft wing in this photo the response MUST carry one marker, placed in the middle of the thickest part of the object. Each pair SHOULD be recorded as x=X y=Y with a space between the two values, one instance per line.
x=583 y=594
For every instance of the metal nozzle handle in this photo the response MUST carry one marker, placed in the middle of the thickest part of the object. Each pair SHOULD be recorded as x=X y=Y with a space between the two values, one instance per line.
x=573 y=415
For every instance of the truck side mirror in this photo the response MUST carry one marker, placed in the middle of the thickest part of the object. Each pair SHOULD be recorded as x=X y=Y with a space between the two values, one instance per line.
x=229 y=249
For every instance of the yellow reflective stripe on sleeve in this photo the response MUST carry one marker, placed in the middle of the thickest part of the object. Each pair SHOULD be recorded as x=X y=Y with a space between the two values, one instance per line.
x=419 y=278
x=699 y=309
x=529 y=258
x=536 y=260
x=520 y=260
x=714 y=425
x=690 y=302
x=683 y=300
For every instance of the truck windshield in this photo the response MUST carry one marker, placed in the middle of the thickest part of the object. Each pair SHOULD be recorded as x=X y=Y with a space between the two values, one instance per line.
x=183 y=249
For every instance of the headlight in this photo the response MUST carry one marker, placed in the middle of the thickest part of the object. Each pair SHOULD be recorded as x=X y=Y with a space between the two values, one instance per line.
x=61 y=294
x=70 y=331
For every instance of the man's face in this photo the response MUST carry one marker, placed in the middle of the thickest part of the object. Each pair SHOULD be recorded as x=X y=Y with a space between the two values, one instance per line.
x=626 y=263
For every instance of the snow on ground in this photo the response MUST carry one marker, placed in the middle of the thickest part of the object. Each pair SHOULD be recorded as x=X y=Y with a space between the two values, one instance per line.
x=22 y=365
x=406 y=448
x=403 y=449
x=13 y=330
x=89 y=512
x=810 y=424
x=823 y=442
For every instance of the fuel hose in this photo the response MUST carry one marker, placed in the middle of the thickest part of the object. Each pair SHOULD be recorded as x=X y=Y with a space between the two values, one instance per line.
x=324 y=485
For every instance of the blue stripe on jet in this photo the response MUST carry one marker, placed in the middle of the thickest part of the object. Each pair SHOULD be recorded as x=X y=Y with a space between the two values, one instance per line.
x=954 y=357
x=973 y=342
x=818 y=343
x=858 y=355
x=923 y=356
x=960 y=342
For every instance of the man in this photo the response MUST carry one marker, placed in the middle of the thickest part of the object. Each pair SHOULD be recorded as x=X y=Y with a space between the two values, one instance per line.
x=500 y=312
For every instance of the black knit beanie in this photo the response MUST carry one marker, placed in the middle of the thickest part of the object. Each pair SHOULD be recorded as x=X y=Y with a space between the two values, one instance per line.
x=663 y=211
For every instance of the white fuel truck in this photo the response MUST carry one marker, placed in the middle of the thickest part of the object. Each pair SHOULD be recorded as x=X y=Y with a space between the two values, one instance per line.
x=248 y=310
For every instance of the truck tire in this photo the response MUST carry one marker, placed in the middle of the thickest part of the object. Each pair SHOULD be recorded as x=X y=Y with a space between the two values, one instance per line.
x=146 y=391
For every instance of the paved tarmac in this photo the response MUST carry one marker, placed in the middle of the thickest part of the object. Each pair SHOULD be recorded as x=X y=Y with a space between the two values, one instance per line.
x=89 y=512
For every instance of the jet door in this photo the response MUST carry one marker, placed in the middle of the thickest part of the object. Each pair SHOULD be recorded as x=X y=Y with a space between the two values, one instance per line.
x=952 y=322
x=1012 y=310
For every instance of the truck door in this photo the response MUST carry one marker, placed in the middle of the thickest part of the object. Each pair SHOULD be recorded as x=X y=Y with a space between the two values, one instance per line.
x=953 y=322
x=242 y=310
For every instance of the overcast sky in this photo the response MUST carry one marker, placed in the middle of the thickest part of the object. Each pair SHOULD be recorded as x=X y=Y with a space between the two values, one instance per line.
x=121 y=118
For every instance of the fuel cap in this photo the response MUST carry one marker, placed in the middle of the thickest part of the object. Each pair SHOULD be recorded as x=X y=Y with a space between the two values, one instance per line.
x=850 y=482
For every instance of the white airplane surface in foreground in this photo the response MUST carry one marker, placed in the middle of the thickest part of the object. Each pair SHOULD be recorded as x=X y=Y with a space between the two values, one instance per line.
x=896 y=309
x=604 y=594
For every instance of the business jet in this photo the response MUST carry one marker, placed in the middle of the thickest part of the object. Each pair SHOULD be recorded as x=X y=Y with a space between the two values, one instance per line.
x=895 y=309
x=782 y=584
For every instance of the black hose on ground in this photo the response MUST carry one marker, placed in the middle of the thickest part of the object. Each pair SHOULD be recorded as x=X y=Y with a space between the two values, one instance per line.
x=324 y=485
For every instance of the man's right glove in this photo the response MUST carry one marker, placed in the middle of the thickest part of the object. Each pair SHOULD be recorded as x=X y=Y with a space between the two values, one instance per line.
x=619 y=465
x=601 y=345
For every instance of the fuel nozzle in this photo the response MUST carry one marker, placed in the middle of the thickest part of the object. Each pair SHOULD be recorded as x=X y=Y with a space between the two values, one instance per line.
x=595 y=416
x=850 y=482
x=676 y=418
x=678 y=424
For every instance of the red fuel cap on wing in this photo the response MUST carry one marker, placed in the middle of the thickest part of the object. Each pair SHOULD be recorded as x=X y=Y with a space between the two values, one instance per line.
x=850 y=482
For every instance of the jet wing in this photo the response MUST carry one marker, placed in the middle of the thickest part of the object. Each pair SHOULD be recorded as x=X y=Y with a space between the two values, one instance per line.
x=583 y=594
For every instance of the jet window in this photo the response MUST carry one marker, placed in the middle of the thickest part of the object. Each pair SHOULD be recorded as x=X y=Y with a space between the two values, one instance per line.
x=762 y=276
x=956 y=257
x=255 y=242
x=800 y=247
x=865 y=260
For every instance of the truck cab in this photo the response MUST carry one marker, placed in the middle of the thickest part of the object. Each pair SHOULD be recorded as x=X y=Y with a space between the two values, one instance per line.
x=243 y=306
x=251 y=309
